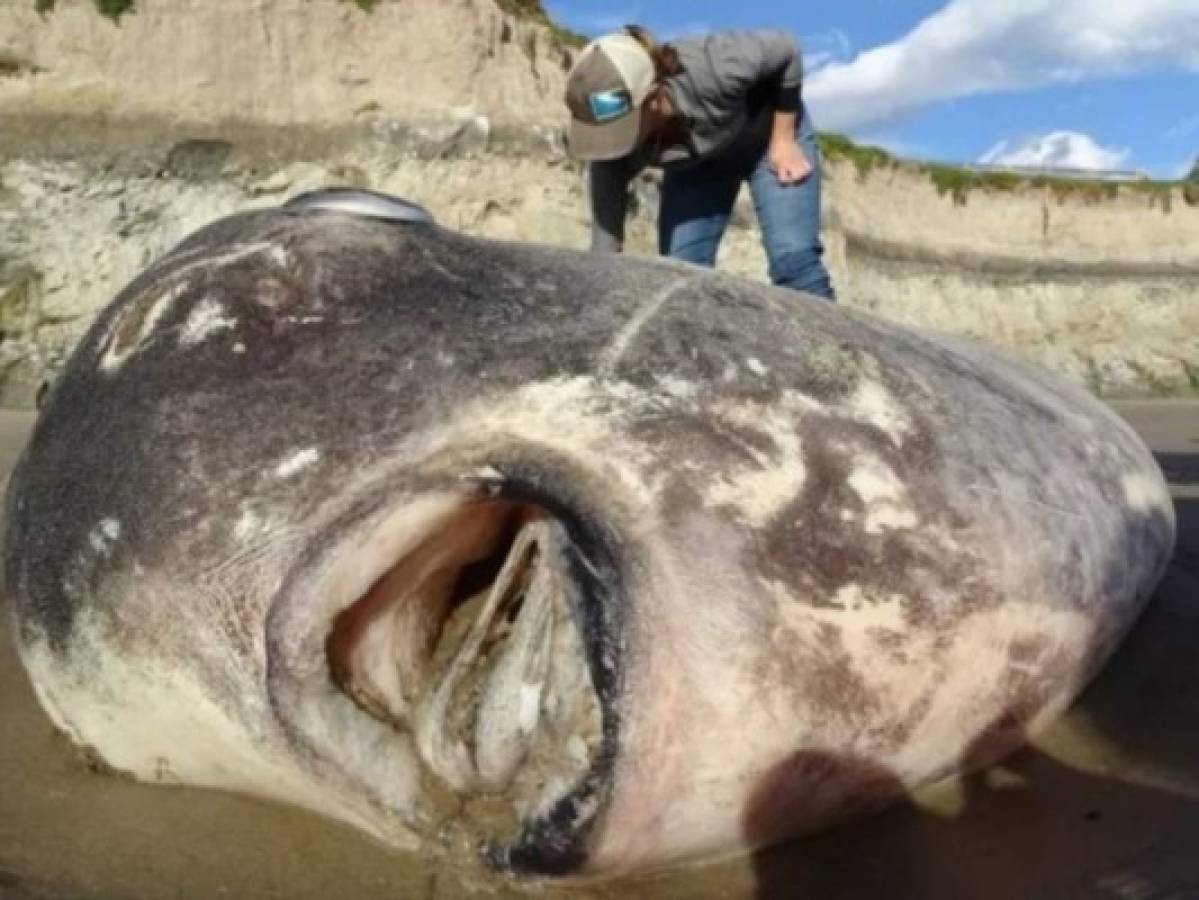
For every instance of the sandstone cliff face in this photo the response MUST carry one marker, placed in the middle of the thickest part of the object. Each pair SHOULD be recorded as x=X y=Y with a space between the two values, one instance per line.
x=282 y=61
x=120 y=139
x=1103 y=288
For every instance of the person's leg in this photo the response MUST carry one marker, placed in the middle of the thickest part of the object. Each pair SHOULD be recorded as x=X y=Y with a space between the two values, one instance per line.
x=789 y=216
x=693 y=215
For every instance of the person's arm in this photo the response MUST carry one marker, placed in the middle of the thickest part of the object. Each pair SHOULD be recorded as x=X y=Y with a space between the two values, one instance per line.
x=609 y=188
x=790 y=164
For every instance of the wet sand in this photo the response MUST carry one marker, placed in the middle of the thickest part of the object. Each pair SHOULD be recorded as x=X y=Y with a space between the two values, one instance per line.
x=1105 y=805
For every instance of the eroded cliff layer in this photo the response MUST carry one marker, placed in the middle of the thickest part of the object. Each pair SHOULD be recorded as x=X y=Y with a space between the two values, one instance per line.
x=121 y=137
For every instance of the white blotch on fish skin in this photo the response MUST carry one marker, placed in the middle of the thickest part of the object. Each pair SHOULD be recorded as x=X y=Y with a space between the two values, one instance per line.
x=883 y=494
x=755 y=365
x=579 y=415
x=872 y=404
x=529 y=707
x=761 y=489
x=488 y=480
x=239 y=347
x=486 y=473
x=104 y=535
x=113 y=356
x=235 y=254
x=444 y=359
x=676 y=387
x=615 y=351
x=297 y=462
x=208 y=317
x=279 y=255
x=247 y=526
x=577 y=748
x=1144 y=492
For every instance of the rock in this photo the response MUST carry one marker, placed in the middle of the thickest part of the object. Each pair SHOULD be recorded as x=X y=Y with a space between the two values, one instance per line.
x=276 y=183
x=294 y=179
x=463 y=134
x=197 y=160
x=21 y=363
x=19 y=287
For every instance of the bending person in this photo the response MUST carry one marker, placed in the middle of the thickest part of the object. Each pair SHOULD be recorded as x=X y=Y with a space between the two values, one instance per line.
x=713 y=112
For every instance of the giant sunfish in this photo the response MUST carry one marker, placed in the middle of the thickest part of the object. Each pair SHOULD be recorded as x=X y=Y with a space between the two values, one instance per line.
x=587 y=564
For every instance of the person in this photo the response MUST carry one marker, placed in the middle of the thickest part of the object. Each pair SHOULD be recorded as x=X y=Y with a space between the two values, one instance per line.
x=713 y=112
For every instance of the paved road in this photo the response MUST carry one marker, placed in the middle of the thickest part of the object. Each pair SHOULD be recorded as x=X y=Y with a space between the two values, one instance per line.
x=1106 y=805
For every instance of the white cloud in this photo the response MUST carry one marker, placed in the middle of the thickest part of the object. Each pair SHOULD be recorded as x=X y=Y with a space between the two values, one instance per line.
x=1057 y=150
x=825 y=48
x=982 y=46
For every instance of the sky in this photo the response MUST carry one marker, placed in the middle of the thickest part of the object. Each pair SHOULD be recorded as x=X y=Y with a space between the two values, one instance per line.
x=1092 y=84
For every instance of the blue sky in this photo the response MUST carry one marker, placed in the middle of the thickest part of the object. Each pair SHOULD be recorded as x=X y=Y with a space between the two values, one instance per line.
x=1103 y=84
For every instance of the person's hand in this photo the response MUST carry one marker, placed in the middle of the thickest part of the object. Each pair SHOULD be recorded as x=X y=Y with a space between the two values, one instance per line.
x=789 y=163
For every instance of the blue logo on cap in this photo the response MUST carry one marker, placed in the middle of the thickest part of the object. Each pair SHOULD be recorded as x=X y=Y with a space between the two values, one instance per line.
x=609 y=105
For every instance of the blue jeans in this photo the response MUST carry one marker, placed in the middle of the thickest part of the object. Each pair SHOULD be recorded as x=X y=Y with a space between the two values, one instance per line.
x=695 y=211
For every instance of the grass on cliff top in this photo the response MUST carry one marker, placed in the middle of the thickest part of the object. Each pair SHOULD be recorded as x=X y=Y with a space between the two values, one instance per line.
x=531 y=10
x=111 y=9
x=535 y=12
x=958 y=182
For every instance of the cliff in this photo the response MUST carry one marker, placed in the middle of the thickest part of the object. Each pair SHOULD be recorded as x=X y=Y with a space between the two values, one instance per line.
x=121 y=136
x=281 y=62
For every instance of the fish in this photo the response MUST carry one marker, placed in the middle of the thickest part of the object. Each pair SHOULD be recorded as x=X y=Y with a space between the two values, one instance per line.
x=571 y=564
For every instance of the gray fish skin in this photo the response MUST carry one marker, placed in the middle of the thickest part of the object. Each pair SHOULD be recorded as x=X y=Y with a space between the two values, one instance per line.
x=756 y=563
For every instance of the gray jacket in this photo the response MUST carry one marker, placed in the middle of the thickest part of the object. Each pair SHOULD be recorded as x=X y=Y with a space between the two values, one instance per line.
x=731 y=83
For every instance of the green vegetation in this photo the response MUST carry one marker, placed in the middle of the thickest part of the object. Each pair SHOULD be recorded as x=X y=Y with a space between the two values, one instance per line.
x=535 y=12
x=958 y=182
x=112 y=9
x=18 y=288
x=1192 y=375
x=1190 y=187
x=865 y=158
x=365 y=5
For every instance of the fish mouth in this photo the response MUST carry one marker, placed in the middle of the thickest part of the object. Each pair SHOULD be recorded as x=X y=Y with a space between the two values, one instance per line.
x=487 y=644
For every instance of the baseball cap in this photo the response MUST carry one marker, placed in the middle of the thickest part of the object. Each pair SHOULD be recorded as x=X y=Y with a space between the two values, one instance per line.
x=605 y=91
